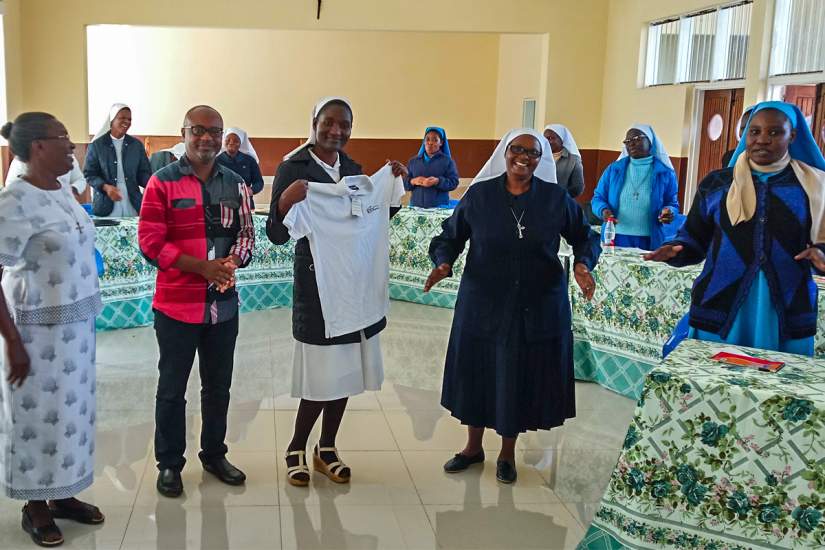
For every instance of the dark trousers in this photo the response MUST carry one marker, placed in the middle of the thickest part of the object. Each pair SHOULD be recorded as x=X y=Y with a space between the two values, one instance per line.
x=178 y=342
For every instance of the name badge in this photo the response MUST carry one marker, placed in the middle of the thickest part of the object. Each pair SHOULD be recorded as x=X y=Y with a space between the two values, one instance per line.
x=356 y=207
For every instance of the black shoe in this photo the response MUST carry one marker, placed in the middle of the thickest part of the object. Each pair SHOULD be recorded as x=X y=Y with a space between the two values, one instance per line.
x=49 y=535
x=169 y=483
x=461 y=462
x=505 y=472
x=226 y=472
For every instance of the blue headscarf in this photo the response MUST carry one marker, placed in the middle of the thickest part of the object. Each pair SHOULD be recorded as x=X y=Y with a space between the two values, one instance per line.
x=805 y=159
x=445 y=145
x=803 y=148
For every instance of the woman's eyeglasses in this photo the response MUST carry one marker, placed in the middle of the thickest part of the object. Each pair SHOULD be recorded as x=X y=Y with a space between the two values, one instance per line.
x=63 y=137
x=634 y=139
x=199 y=130
x=519 y=150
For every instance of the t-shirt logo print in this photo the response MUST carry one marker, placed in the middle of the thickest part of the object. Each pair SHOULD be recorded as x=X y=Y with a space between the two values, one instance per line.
x=373 y=208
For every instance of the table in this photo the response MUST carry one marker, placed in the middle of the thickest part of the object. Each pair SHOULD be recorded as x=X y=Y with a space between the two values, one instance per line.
x=618 y=337
x=411 y=231
x=128 y=283
x=729 y=459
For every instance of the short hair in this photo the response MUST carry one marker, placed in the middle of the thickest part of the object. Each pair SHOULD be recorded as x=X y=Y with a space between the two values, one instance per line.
x=197 y=108
x=25 y=129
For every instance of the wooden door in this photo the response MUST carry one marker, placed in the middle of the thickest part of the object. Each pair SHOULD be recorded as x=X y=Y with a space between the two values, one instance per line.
x=810 y=100
x=720 y=114
x=818 y=126
x=736 y=108
x=803 y=97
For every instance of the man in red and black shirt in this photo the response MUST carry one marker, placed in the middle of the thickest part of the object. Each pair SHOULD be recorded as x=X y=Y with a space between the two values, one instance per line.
x=196 y=228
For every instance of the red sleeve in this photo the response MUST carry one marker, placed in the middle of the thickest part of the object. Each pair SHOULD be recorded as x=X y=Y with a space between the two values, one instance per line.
x=245 y=241
x=152 y=229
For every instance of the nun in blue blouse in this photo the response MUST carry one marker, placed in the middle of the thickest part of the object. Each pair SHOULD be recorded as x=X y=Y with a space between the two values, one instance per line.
x=432 y=173
x=640 y=191
x=509 y=364
x=758 y=226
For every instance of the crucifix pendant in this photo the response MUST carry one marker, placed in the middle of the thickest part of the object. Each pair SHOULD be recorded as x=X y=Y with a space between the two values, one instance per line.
x=520 y=228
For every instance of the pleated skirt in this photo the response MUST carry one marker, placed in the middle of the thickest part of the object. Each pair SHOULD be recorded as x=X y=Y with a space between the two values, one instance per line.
x=510 y=385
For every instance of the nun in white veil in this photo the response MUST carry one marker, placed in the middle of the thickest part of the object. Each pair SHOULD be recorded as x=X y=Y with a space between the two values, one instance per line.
x=116 y=166
x=240 y=156
x=326 y=371
x=569 y=169
x=509 y=364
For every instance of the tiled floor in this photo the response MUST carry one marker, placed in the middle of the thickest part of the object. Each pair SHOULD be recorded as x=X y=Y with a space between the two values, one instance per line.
x=395 y=440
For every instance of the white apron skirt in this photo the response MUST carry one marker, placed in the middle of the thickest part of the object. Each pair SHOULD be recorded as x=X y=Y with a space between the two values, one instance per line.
x=326 y=373
x=47 y=425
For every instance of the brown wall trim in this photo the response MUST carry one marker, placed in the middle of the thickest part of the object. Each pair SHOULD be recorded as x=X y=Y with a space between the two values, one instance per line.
x=595 y=161
x=469 y=154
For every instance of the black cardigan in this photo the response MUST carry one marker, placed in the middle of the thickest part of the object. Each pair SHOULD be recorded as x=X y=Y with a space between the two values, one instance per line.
x=307 y=318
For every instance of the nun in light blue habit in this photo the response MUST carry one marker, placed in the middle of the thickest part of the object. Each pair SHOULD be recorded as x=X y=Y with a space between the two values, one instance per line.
x=758 y=227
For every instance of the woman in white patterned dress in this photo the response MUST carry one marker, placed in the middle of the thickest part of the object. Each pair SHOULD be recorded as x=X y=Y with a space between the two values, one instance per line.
x=48 y=301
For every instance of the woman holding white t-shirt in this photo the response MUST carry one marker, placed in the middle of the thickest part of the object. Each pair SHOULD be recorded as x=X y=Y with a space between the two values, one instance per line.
x=326 y=371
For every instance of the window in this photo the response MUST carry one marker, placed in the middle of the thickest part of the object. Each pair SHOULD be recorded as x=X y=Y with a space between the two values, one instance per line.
x=662 y=52
x=798 y=42
x=3 y=113
x=528 y=113
x=699 y=47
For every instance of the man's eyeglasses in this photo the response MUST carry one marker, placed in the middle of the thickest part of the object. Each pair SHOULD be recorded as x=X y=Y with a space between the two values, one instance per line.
x=634 y=139
x=199 y=130
x=519 y=150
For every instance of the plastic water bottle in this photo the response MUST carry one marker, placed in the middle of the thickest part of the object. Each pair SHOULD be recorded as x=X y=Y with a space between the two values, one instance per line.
x=609 y=234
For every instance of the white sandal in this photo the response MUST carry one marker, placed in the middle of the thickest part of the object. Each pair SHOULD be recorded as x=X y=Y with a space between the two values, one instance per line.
x=301 y=468
x=332 y=469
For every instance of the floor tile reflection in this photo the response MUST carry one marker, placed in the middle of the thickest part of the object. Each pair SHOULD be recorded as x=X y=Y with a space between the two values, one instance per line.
x=396 y=441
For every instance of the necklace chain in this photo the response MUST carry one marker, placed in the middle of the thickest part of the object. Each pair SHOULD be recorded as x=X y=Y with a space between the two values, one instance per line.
x=519 y=227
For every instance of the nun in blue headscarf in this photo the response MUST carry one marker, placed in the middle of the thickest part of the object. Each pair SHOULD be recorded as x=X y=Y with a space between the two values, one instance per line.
x=758 y=227
x=432 y=173
x=639 y=192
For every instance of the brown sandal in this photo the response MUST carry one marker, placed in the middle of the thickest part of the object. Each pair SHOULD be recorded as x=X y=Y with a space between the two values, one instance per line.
x=331 y=470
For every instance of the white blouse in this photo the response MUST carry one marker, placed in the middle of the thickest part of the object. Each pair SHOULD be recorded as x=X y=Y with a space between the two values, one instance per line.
x=47 y=250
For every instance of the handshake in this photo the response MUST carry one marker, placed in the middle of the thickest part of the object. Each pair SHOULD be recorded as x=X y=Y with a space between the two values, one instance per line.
x=219 y=272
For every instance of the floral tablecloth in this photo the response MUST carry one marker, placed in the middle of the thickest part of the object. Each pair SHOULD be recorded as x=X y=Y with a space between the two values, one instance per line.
x=411 y=231
x=127 y=284
x=618 y=336
x=716 y=458
x=620 y=333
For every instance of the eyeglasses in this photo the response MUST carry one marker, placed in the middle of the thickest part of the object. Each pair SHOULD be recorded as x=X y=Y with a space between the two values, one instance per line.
x=519 y=150
x=63 y=137
x=634 y=139
x=199 y=130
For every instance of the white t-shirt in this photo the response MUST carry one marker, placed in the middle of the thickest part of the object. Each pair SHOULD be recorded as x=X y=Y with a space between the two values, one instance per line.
x=73 y=177
x=347 y=225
